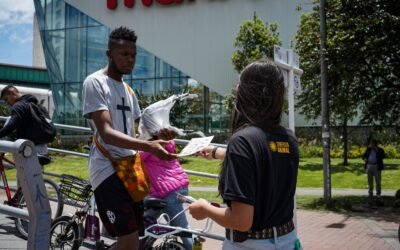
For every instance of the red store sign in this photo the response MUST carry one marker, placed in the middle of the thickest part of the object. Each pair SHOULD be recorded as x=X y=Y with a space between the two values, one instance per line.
x=112 y=4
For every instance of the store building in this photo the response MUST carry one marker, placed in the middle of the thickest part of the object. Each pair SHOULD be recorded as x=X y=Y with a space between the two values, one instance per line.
x=183 y=45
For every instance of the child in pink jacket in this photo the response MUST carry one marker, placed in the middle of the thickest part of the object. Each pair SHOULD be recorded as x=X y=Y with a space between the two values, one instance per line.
x=167 y=178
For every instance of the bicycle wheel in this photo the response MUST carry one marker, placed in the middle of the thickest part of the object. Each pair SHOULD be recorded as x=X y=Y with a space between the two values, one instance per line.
x=65 y=234
x=168 y=245
x=56 y=201
x=147 y=243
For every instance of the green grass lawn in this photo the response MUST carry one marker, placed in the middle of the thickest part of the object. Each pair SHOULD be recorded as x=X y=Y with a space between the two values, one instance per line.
x=310 y=175
x=310 y=171
x=351 y=176
x=339 y=203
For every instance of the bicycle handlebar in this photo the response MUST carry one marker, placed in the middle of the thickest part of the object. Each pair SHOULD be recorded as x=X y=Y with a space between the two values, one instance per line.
x=189 y=199
x=185 y=198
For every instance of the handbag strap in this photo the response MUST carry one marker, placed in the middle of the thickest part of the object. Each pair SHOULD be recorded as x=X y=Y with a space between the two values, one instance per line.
x=96 y=141
x=130 y=92
x=101 y=148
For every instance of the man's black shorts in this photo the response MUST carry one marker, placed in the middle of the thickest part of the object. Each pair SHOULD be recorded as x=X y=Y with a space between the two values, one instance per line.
x=118 y=212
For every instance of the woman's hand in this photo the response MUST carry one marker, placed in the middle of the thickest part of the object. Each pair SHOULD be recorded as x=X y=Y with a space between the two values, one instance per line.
x=198 y=209
x=238 y=217
x=206 y=152
x=212 y=152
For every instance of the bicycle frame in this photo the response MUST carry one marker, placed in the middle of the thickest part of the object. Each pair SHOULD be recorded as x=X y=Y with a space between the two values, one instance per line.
x=85 y=223
x=87 y=220
x=18 y=200
x=12 y=201
x=169 y=233
x=160 y=230
x=91 y=229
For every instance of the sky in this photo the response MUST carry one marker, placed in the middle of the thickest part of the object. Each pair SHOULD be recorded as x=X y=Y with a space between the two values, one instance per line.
x=16 y=32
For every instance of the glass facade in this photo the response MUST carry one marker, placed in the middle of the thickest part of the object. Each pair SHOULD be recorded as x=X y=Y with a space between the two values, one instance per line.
x=74 y=45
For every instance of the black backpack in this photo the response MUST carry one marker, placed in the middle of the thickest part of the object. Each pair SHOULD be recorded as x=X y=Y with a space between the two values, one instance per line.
x=43 y=128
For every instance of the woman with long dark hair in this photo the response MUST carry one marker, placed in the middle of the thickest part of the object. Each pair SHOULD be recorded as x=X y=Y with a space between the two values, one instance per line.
x=259 y=169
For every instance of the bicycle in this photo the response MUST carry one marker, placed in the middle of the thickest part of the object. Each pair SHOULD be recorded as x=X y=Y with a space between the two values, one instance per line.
x=82 y=228
x=68 y=232
x=169 y=235
x=17 y=199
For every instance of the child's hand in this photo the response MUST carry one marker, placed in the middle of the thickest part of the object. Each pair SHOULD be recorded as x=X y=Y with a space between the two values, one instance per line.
x=157 y=149
x=166 y=134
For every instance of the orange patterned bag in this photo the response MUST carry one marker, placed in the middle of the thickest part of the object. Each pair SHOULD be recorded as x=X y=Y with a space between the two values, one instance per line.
x=131 y=172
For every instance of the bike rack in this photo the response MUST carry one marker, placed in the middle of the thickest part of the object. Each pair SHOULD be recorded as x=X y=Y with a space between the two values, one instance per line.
x=29 y=174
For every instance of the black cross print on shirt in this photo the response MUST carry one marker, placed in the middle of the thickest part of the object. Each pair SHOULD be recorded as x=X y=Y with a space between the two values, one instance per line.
x=124 y=108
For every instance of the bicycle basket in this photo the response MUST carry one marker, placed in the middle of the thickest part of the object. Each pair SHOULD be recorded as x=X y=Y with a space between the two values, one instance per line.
x=76 y=190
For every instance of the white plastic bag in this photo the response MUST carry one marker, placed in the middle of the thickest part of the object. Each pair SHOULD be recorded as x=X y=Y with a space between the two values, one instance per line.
x=156 y=116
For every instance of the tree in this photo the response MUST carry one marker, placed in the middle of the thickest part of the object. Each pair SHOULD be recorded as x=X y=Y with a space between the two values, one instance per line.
x=355 y=64
x=376 y=46
x=255 y=40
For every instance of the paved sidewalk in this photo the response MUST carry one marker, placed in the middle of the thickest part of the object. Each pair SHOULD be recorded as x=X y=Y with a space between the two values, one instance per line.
x=335 y=231
x=316 y=230
x=327 y=230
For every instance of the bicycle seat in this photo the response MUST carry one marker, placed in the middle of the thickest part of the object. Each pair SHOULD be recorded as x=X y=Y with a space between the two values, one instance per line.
x=154 y=203
x=44 y=159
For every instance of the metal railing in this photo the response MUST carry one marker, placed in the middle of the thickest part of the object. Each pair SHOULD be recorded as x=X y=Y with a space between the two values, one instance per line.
x=31 y=181
x=85 y=129
x=89 y=131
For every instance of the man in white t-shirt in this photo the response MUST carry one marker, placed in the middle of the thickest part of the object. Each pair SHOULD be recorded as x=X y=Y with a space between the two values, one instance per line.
x=112 y=109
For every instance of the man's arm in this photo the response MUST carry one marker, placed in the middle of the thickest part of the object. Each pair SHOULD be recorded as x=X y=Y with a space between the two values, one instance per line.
x=383 y=153
x=365 y=155
x=102 y=121
x=11 y=125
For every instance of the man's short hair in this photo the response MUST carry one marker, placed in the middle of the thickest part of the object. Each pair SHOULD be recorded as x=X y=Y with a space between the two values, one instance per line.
x=7 y=89
x=122 y=33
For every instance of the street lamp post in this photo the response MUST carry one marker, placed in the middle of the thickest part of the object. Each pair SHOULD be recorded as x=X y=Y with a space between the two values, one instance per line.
x=325 y=107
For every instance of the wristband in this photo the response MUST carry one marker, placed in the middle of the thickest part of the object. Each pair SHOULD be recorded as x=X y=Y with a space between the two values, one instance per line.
x=213 y=152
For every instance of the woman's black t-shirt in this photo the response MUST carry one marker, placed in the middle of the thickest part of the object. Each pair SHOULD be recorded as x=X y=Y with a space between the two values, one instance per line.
x=260 y=169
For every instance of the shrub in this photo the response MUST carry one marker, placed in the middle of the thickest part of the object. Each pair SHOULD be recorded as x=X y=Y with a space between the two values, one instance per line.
x=310 y=151
x=355 y=151
x=336 y=153
x=391 y=151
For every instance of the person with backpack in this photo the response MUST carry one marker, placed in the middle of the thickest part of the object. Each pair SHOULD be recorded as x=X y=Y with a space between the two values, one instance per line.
x=28 y=119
